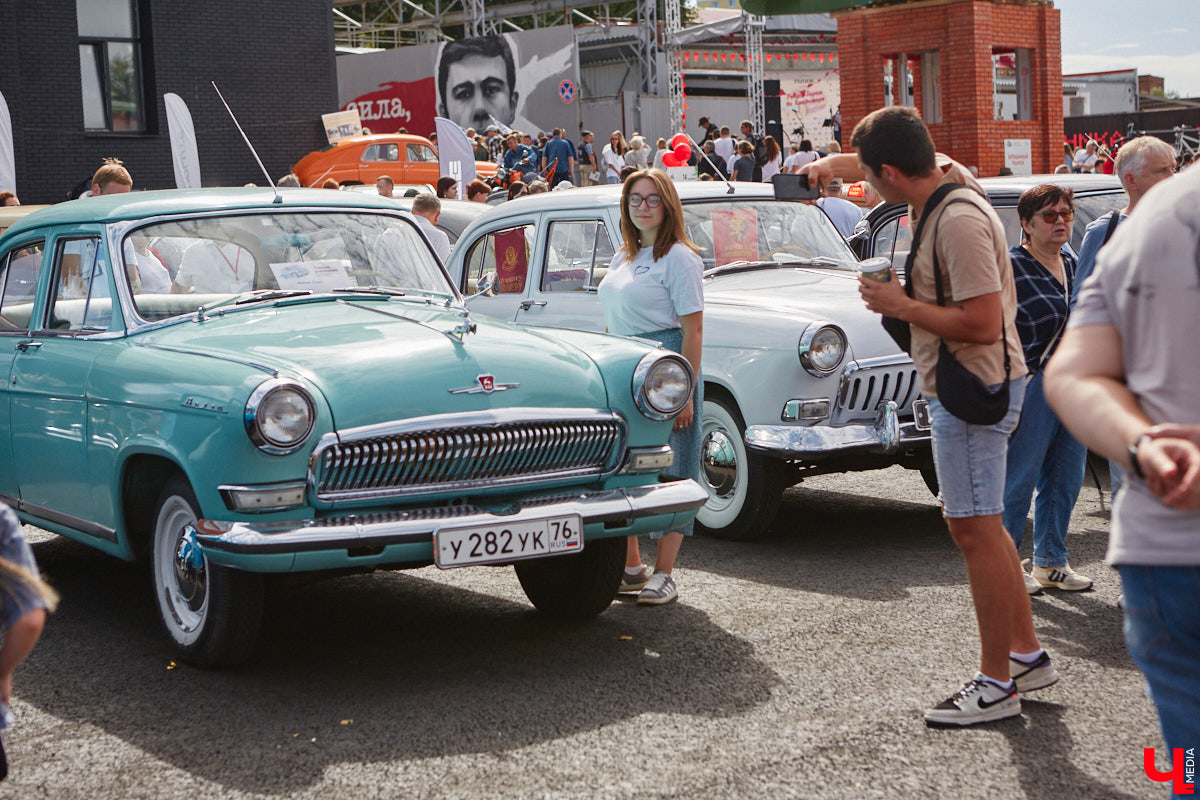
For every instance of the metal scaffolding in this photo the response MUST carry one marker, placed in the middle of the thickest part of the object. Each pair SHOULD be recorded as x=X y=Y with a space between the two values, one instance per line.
x=674 y=64
x=753 y=26
x=648 y=44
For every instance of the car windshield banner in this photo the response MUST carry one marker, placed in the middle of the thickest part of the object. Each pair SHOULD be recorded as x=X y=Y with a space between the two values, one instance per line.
x=735 y=234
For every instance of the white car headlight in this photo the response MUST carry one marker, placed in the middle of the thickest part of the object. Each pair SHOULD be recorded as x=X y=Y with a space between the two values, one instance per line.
x=280 y=415
x=662 y=385
x=822 y=348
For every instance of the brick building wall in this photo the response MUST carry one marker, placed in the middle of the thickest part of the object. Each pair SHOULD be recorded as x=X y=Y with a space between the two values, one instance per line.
x=272 y=59
x=964 y=33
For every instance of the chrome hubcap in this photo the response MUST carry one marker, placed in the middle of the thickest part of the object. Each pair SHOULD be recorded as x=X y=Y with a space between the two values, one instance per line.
x=720 y=463
x=190 y=570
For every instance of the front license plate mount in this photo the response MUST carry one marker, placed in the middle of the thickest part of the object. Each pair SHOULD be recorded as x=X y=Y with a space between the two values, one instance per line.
x=921 y=418
x=502 y=542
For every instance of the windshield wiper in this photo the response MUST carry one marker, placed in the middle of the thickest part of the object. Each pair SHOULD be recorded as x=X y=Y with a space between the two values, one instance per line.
x=387 y=290
x=750 y=266
x=255 y=296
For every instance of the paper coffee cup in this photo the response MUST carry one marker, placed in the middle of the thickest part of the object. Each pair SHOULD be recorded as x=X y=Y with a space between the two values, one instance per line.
x=878 y=268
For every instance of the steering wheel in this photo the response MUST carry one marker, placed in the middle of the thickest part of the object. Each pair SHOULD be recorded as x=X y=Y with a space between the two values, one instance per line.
x=789 y=248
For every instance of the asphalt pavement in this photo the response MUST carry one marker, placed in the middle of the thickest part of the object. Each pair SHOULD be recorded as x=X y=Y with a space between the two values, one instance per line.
x=797 y=667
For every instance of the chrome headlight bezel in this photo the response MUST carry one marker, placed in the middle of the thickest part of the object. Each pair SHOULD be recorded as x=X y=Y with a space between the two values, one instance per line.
x=645 y=370
x=254 y=411
x=814 y=361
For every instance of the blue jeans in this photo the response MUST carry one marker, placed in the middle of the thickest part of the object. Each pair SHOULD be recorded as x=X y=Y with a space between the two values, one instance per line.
x=1042 y=454
x=970 y=458
x=1162 y=630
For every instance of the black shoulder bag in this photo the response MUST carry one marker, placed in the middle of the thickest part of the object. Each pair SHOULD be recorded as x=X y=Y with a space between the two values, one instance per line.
x=897 y=328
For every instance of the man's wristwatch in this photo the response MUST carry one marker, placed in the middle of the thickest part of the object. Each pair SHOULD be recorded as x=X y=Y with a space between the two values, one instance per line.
x=1133 y=451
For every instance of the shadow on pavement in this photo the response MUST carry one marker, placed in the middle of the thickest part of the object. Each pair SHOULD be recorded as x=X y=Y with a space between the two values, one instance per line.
x=423 y=670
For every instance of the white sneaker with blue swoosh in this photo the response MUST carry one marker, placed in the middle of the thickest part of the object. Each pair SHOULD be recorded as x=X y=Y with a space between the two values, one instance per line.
x=978 y=701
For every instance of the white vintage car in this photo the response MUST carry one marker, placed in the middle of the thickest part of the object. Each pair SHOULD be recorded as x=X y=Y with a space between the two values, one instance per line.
x=799 y=378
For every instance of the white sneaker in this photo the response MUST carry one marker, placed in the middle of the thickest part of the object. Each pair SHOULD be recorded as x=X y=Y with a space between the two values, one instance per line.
x=632 y=584
x=1031 y=584
x=978 y=701
x=1038 y=675
x=1062 y=577
x=660 y=589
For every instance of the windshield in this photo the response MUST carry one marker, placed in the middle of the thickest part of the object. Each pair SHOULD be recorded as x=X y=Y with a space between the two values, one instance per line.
x=176 y=267
x=764 y=230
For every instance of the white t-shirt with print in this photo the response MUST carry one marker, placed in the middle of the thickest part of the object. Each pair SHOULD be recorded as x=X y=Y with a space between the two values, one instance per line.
x=645 y=295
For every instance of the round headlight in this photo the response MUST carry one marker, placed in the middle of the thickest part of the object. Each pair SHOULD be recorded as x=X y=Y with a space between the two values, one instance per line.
x=279 y=416
x=822 y=348
x=662 y=385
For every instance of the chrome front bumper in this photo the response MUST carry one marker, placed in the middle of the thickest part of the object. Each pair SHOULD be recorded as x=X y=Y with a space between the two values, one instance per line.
x=886 y=435
x=610 y=508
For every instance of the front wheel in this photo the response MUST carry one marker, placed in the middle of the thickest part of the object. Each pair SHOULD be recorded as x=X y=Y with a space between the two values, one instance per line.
x=575 y=586
x=744 y=488
x=212 y=614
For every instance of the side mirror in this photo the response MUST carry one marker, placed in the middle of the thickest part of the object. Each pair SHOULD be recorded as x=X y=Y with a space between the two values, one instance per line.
x=485 y=286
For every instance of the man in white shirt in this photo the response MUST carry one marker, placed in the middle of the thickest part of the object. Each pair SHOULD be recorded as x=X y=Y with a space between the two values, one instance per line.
x=845 y=215
x=1085 y=157
x=805 y=155
x=427 y=208
x=724 y=145
x=210 y=266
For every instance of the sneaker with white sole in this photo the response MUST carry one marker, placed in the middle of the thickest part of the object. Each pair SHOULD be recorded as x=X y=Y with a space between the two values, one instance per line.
x=1032 y=587
x=1030 y=677
x=634 y=583
x=659 y=591
x=1062 y=577
x=978 y=701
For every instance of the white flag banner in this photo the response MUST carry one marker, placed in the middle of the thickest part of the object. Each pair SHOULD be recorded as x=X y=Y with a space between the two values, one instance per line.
x=8 y=167
x=456 y=157
x=184 y=155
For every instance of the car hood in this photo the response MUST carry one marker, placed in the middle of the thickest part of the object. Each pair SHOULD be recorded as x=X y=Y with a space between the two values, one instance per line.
x=802 y=295
x=376 y=361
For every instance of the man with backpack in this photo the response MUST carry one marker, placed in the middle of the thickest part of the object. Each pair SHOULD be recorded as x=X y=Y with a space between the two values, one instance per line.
x=760 y=149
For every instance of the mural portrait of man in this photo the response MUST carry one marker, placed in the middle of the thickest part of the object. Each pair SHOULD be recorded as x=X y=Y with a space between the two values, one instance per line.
x=476 y=81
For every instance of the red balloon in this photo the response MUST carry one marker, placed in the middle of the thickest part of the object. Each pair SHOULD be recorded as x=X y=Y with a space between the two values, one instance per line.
x=683 y=152
x=670 y=160
x=678 y=139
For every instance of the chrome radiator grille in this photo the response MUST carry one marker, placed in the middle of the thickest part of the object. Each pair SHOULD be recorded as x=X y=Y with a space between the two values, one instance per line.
x=465 y=456
x=865 y=386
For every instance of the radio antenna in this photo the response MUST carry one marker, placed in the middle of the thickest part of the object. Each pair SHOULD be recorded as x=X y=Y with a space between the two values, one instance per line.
x=253 y=152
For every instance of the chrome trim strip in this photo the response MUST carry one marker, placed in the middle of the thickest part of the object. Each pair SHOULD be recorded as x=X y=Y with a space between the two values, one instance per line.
x=886 y=435
x=416 y=526
x=58 y=518
x=219 y=356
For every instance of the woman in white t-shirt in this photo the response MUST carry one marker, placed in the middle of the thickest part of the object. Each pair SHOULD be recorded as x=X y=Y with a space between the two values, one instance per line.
x=613 y=157
x=774 y=161
x=653 y=290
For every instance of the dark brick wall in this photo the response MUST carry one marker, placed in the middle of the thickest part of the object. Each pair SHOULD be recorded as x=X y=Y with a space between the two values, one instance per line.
x=272 y=59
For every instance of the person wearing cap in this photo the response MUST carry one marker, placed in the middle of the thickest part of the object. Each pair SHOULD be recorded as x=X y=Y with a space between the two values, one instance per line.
x=844 y=214
x=1085 y=157
x=587 y=158
x=711 y=131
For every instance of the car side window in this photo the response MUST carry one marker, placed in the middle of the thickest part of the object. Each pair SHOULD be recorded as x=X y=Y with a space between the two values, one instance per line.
x=81 y=295
x=577 y=249
x=382 y=152
x=421 y=152
x=893 y=240
x=510 y=266
x=18 y=280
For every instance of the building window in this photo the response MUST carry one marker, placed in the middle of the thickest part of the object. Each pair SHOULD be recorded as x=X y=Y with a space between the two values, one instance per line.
x=110 y=65
x=931 y=87
x=1012 y=90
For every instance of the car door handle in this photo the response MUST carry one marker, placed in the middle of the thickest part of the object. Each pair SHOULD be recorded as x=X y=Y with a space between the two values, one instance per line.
x=528 y=304
x=27 y=345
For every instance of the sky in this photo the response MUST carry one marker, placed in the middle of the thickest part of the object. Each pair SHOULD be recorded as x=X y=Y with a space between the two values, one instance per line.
x=1155 y=37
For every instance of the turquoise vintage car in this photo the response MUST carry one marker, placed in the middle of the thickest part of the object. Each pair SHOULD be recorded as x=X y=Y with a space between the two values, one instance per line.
x=235 y=383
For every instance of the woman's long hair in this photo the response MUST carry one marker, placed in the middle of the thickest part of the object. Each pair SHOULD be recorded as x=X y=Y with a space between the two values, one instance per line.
x=772 y=148
x=622 y=144
x=13 y=574
x=670 y=232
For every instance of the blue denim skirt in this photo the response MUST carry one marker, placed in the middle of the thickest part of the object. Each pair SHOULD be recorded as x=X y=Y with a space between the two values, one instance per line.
x=686 y=442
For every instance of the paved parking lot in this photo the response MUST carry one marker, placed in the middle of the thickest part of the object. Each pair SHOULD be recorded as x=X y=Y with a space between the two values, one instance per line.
x=797 y=667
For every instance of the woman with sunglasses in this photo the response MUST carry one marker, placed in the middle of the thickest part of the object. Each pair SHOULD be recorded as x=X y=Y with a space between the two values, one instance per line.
x=1042 y=454
x=653 y=290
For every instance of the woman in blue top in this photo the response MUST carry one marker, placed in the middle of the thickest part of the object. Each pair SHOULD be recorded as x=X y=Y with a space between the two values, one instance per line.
x=1042 y=454
x=24 y=600
x=653 y=290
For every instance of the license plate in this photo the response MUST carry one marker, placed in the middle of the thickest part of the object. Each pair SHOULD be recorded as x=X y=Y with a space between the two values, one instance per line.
x=921 y=415
x=504 y=542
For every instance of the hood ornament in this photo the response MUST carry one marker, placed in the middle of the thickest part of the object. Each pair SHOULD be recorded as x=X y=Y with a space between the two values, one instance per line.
x=486 y=385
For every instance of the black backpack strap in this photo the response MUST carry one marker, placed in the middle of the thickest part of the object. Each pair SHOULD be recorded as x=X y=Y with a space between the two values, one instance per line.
x=1111 y=228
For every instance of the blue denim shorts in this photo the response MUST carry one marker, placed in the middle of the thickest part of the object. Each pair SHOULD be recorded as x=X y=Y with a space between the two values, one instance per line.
x=971 y=460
